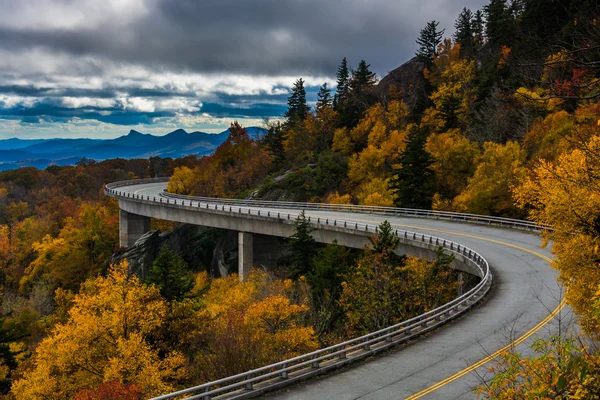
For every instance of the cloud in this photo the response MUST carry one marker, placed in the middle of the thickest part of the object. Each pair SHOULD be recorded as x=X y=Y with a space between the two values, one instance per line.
x=128 y=62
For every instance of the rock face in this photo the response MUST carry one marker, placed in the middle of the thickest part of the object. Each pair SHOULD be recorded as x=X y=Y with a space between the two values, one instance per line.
x=195 y=244
x=406 y=83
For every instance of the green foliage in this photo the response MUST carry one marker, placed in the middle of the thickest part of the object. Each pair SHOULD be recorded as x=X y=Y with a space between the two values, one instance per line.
x=323 y=98
x=464 y=33
x=360 y=94
x=428 y=41
x=478 y=28
x=559 y=368
x=343 y=78
x=297 y=107
x=302 y=248
x=499 y=27
x=330 y=264
x=170 y=274
x=273 y=142
x=386 y=240
x=413 y=181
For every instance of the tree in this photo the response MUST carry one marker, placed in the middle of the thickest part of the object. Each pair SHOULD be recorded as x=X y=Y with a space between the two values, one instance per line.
x=428 y=41
x=297 y=107
x=170 y=274
x=323 y=98
x=498 y=28
x=273 y=142
x=250 y=324
x=560 y=368
x=386 y=241
x=302 y=247
x=478 y=28
x=455 y=162
x=329 y=267
x=488 y=191
x=566 y=195
x=341 y=94
x=82 y=246
x=413 y=181
x=105 y=339
x=464 y=33
x=454 y=95
x=360 y=94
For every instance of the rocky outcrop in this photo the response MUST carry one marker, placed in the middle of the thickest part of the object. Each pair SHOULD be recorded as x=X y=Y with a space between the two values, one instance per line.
x=407 y=83
x=197 y=245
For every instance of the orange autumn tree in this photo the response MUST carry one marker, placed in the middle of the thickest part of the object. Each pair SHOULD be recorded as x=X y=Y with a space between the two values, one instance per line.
x=105 y=339
x=250 y=324
x=236 y=165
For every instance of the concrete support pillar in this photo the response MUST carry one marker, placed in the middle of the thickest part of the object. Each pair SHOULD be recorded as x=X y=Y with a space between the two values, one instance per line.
x=131 y=228
x=245 y=254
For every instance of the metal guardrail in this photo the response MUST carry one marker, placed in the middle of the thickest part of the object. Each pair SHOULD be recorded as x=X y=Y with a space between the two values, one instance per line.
x=273 y=376
x=392 y=211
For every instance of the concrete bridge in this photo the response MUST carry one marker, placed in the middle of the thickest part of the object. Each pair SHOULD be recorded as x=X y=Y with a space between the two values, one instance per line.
x=441 y=365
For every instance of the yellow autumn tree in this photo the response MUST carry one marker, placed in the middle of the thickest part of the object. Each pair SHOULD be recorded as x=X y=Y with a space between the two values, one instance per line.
x=104 y=340
x=251 y=324
x=559 y=369
x=385 y=132
x=82 y=246
x=182 y=181
x=566 y=195
x=489 y=190
x=455 y=162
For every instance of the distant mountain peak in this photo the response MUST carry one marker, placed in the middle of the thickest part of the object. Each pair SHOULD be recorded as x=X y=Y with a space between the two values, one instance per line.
x=178 y=132
x=135 y=133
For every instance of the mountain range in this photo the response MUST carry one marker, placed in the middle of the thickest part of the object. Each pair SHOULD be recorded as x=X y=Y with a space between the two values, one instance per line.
x=40 y=153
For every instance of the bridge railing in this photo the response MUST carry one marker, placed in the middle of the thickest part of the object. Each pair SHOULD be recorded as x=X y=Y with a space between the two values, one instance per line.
x=273 y=376
x=392 y=211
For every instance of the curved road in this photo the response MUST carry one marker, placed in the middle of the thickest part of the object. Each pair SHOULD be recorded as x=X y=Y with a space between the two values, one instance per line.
x=525 y=292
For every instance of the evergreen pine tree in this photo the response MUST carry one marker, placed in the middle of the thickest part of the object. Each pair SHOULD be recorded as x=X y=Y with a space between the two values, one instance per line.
x=413 y=181
x=360 y=94
x=464 y=33
x=341 y=94
x=297 y=107
x=386 y=241
x=330 y=265
x=323 y=98
x=428 y=42
x=302 y=248
x=498 y=29
x=478 y=28
x=273 y=141
x=170 y=274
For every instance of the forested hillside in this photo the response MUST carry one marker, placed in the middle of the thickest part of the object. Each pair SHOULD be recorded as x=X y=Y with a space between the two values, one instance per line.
x=502 y=118
x=503 y=121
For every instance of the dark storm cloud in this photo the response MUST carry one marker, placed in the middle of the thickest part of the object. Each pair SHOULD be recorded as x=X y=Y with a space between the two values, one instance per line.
x=273 y=37
x=106 y=93
x=171 y=62
x=45 y=112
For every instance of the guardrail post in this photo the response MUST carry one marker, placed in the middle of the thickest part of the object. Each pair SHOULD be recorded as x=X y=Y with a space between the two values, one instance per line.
x=249 y=386
x=315 y=364
x=284 y=374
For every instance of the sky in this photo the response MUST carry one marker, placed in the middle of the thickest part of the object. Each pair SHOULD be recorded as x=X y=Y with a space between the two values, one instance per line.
x=98 y=68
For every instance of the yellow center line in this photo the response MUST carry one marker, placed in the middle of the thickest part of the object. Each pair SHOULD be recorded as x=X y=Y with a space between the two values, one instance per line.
x=494 y=355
